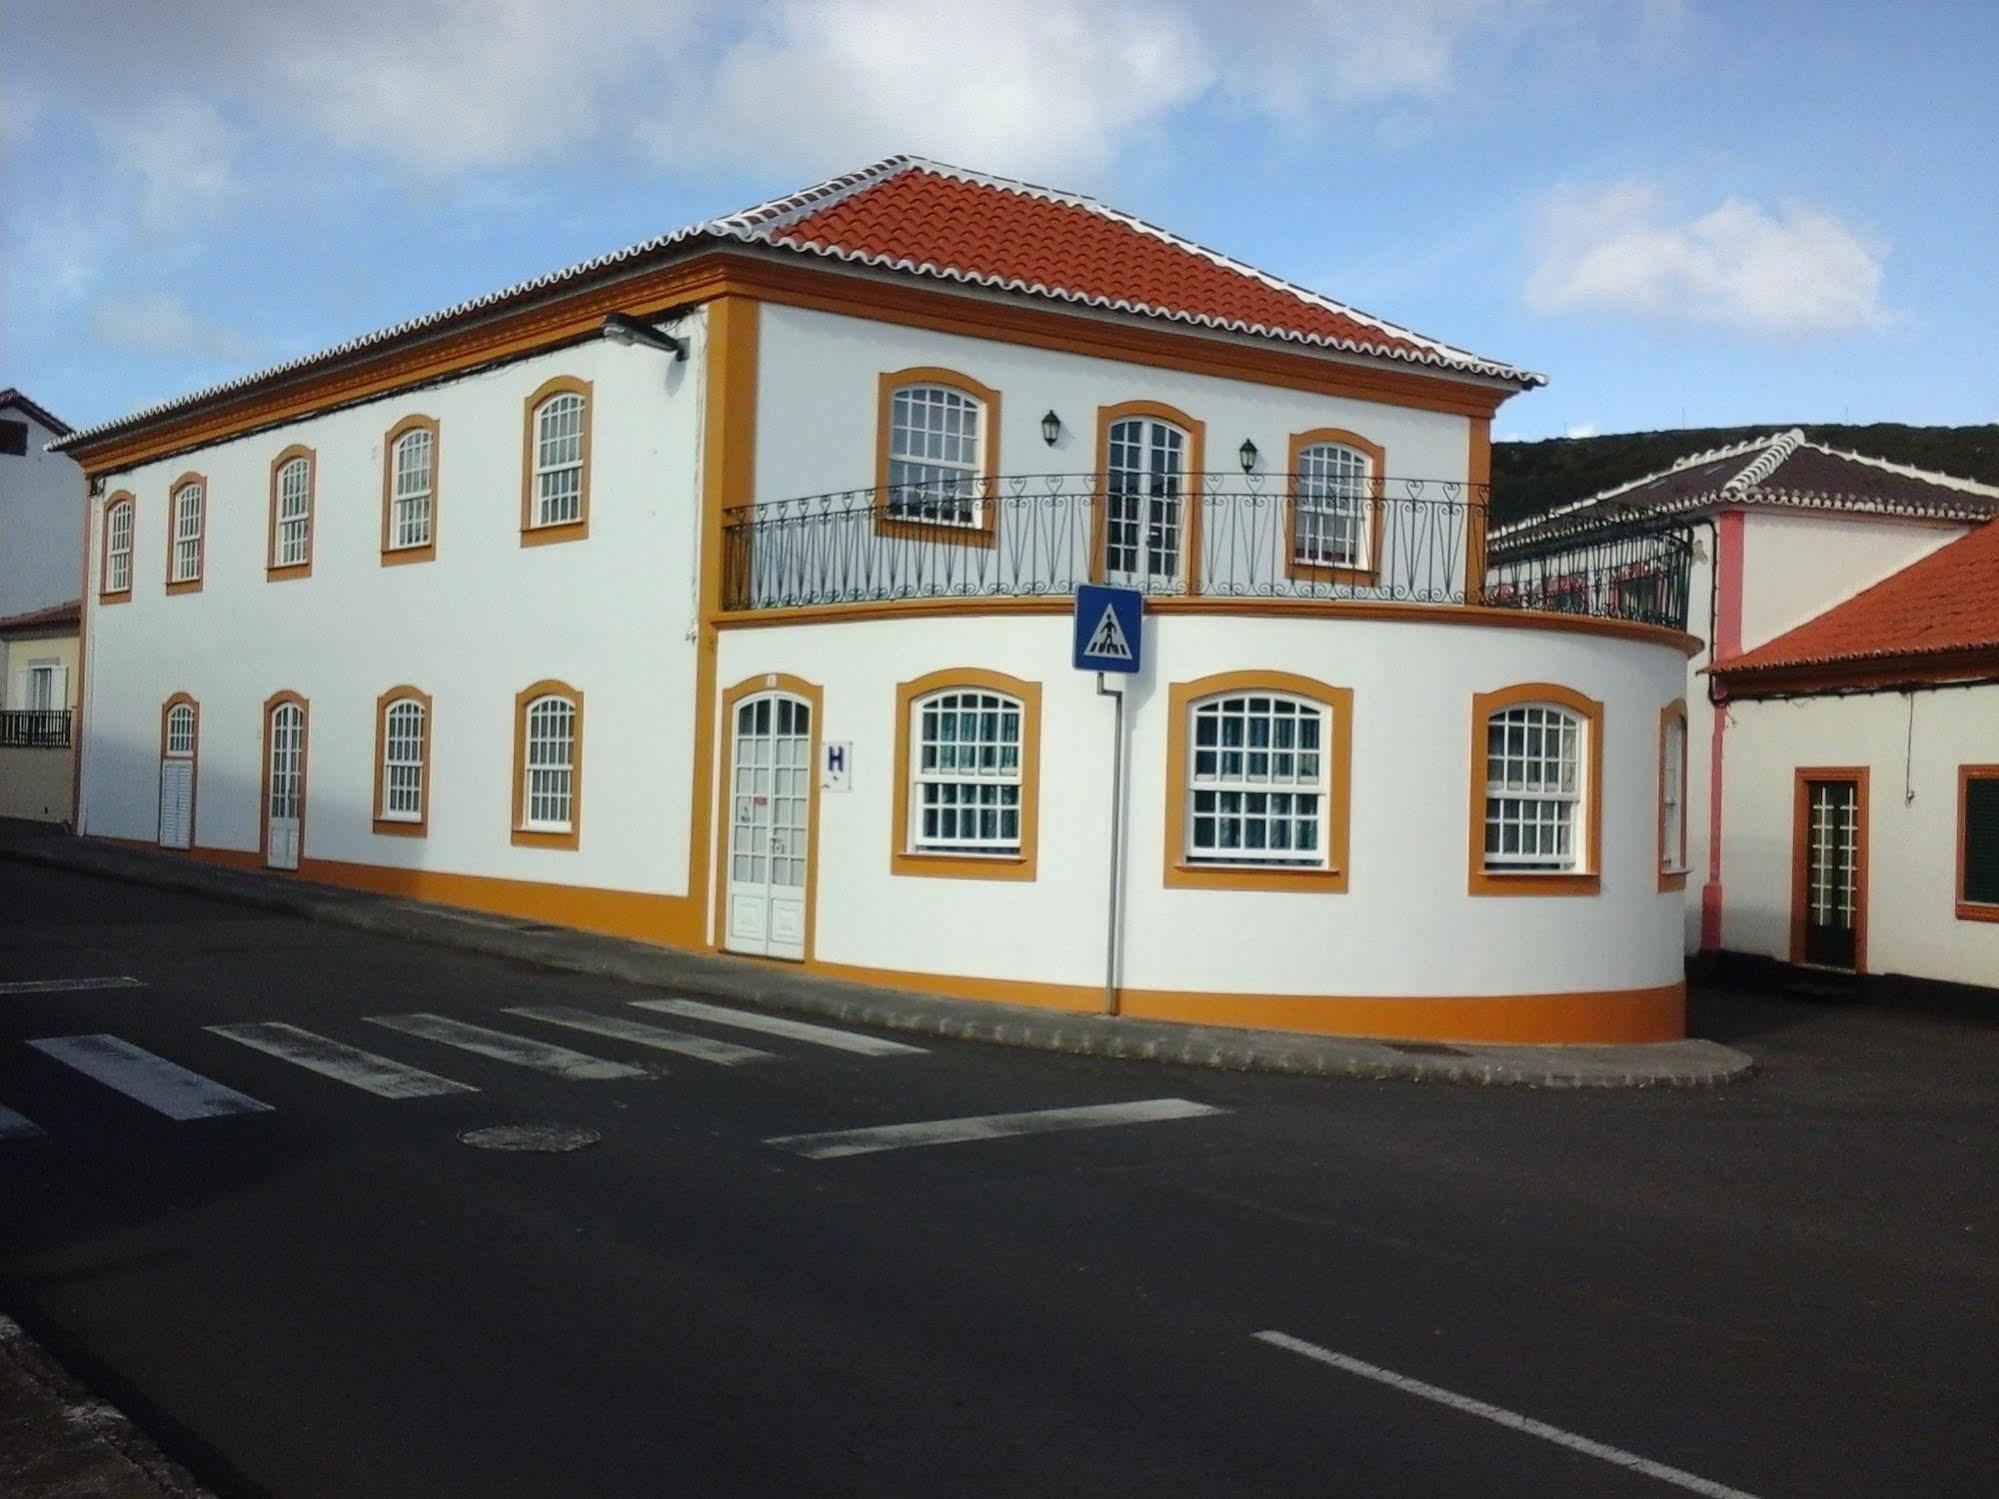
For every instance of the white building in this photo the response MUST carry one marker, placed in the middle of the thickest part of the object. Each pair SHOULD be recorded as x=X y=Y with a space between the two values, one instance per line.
x=717 y=592
x=1785 y=528
x=1862 y=802
x=41 y=573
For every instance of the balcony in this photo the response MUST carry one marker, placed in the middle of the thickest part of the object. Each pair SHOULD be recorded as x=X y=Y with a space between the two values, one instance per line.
x=34 y=728
x=1205 y=536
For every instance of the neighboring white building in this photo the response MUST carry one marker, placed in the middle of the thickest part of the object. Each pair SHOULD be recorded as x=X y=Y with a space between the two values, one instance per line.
x=1861 y=808
x=717 y=592
x=41 y=573
x=1786 y=528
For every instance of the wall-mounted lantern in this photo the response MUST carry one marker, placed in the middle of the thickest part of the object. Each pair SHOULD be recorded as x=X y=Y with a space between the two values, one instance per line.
x=1051 y=427
x=1247 y=453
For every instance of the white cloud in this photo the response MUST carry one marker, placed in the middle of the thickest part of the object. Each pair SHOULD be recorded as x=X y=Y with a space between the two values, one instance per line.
x=178 y=159
x=161 y=323
x=1795 y=272
x=1043 y=88
x=1579 y=429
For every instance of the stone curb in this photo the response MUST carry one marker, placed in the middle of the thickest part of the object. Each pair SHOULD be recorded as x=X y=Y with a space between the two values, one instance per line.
x=1672 y=1064
x=57 y=1439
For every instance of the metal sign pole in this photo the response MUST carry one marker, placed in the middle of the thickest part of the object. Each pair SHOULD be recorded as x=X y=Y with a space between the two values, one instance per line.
x=1117 y=843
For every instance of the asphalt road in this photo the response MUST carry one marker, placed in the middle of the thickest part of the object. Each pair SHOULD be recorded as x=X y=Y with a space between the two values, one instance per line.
x=1786 y=1287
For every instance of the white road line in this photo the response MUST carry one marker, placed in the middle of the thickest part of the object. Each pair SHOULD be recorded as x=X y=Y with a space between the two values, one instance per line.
x=1693 y=1483
x=152 y=1080
x=826 y=1147
x=502 y=1047
x=344 y=1064
x=67 y=986
x=701 y=1048
x=777 y=1025
x=15 y=1126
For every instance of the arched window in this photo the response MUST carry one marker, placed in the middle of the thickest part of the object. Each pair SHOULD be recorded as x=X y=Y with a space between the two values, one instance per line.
x=937 y=451
x=967 y=749
x=1151 y=458
x=291 y=514
x=410 y=490
x=548 y=765
x=186 y=518
x=1673 y=796
x=1335 y=476
x=555 y=504
x=180 y=731
x=402 y=761
x=1259 y=770
x=118 y=523
x=1538 y=752
x=1257 y=782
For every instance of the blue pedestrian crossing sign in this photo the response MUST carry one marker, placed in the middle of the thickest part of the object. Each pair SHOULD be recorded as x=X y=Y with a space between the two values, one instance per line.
x=1108 y=637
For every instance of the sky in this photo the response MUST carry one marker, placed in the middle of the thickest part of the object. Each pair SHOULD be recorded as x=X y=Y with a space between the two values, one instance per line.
x=1685 y=212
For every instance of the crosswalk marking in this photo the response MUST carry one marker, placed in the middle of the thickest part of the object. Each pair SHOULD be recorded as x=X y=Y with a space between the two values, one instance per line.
x=701 y=1048
x=777 y=1025
x=503 y=1047
x=66 y=986
x=346 y=1064
x=15 y=1126
x=836 y=1143
x=152 y=1080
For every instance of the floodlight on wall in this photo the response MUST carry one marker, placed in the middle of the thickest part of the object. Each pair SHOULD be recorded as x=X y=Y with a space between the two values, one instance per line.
x=623 y=328
x=1051 y=427
x=1247 y=453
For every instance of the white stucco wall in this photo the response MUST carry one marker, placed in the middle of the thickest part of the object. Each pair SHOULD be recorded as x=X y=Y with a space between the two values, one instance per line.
x=1798 y=564
x=1406 y=926
x=41 y=523
x=612 y=614
x=1912 y=927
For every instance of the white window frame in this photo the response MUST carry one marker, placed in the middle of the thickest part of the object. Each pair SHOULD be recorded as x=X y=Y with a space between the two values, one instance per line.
x=1672 y=795
x=408 y=501
x=1330 y=496
x=558 y=776
x=292 y=545
x=1149 y=492
x=1254 y=787
x=118 y=552
x=934 y=473
x=189 y=505
x=411 y=760
x=942 y=782
x=548 y=465
x=41 y=687
x=180 y=745
x=1535 y=793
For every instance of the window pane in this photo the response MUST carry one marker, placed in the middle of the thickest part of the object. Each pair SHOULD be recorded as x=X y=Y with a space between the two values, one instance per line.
x=966 y=773
x=1533 y=788
x=1253 y=799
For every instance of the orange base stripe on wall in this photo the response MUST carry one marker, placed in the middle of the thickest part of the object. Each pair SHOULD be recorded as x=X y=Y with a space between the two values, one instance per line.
x=1606 y=1017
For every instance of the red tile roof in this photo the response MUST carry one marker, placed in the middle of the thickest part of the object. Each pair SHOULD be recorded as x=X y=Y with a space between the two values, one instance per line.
x=42 y=619
x=928 y=218
x=1945 y=602
x=911 y=217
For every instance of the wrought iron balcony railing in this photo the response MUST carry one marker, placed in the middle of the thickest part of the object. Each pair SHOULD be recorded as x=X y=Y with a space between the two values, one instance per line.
x=1200 y=535
x=34 y=728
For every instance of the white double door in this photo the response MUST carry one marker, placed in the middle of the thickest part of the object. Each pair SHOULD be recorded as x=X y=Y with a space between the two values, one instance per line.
x=770 y=825
x=284 y=787
x=1145 y=504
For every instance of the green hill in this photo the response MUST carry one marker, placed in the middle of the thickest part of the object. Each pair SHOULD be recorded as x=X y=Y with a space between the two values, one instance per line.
x=1529 y=477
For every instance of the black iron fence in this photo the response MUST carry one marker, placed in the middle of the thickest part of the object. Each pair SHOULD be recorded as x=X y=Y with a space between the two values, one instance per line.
x=34 y=728
x=1200 y=535
x=1636 y=571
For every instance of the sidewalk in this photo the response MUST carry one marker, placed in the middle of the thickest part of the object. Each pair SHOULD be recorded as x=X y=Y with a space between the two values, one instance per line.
x=1676 y=1064
x=58 y=1441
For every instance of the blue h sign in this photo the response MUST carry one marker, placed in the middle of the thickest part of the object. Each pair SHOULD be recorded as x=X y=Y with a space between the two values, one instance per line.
x=1108 y=634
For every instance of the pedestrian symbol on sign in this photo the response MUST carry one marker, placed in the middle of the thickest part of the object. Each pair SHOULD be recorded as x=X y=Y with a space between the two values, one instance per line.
x=1108 y=636
x=1107 y=640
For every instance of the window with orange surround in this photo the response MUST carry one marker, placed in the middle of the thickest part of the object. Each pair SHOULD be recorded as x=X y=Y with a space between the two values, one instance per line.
x=1536 y=791
x=968 y=776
